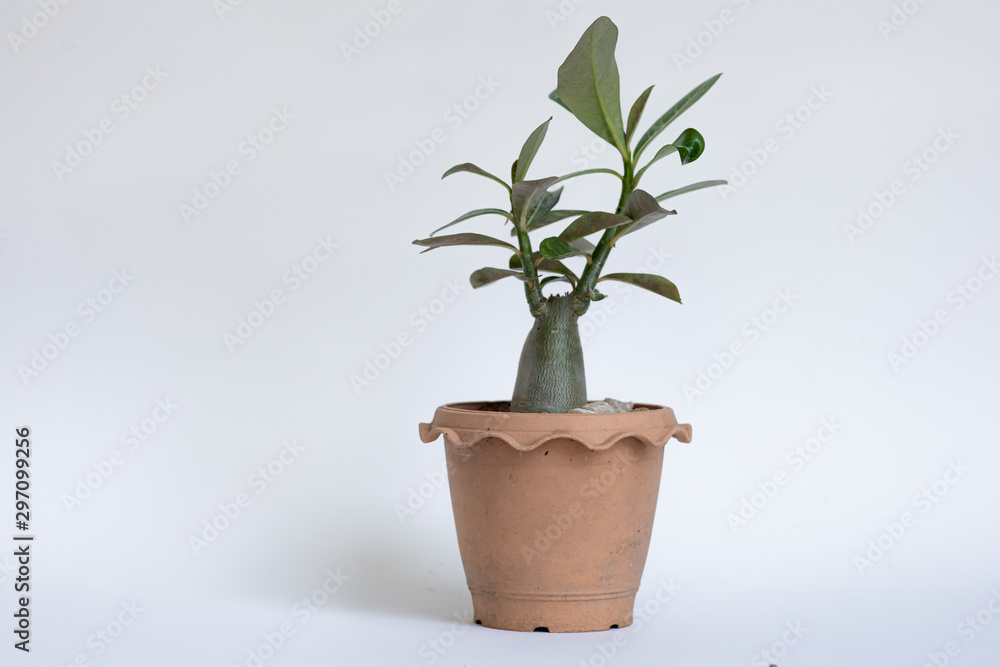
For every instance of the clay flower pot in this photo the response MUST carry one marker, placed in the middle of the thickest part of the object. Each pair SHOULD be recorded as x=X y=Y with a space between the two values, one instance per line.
x=553 y=511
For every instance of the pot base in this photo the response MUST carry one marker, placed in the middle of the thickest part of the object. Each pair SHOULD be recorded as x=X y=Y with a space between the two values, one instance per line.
x=555 y=613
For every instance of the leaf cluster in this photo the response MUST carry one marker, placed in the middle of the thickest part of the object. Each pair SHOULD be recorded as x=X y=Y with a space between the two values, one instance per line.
x=588 y=87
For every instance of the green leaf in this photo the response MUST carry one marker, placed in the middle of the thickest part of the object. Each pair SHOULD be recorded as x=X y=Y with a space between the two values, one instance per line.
x=689 y=188
x=636 y=113
x=473 y=214
x=545 y=264
x=600 y=170
x=672 y=113
x=554 y=96
x=471 y=168
x=656 y=284
x=689 y=144
x=529 y=197
x=488 y=275
x=589 y=85
x=551 y=217
x=555 y=248
x=555 y=216
x=462 y=239
x=592 y=222
x=662 y=153
x=644 y=210
x=529 y=149
x=555 y=266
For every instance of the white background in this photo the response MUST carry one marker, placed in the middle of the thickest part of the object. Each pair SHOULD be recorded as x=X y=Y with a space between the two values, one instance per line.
x=337 y=506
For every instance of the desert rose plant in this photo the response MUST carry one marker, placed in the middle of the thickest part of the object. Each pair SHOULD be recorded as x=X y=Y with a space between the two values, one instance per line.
x=550 y=375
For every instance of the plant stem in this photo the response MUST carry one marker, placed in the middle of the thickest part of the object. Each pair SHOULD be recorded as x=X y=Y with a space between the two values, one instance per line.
x=550 y=374
x=532 y=286
x=584 y=289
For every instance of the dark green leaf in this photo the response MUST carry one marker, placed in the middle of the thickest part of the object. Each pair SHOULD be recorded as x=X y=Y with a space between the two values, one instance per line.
x=690 y=144
x=592 y=222
x=673 y=112
x=555 y=248
x=636 y=113
x=689 y=188
x=462 y=239
x=545 y=264
x=643 y=209
x=542 y=207
x=596 y=296
x=473 y=214
x=554 y=96
x=488 y=275
x=656 y=284
x=527 y=197
x=471 y=168
x=528 y=151
x=589 y=85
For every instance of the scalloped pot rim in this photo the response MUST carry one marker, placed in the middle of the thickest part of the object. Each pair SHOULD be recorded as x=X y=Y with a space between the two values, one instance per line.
x=463 y=425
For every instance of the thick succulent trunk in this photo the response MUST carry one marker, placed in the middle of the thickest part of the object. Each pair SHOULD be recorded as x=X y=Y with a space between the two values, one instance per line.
x=550 y=375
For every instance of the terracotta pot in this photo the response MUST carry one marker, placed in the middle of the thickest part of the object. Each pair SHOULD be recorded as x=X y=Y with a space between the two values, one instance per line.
x=553 y=511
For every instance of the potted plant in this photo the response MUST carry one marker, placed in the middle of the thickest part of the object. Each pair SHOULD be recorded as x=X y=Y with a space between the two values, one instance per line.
x=554 y=501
